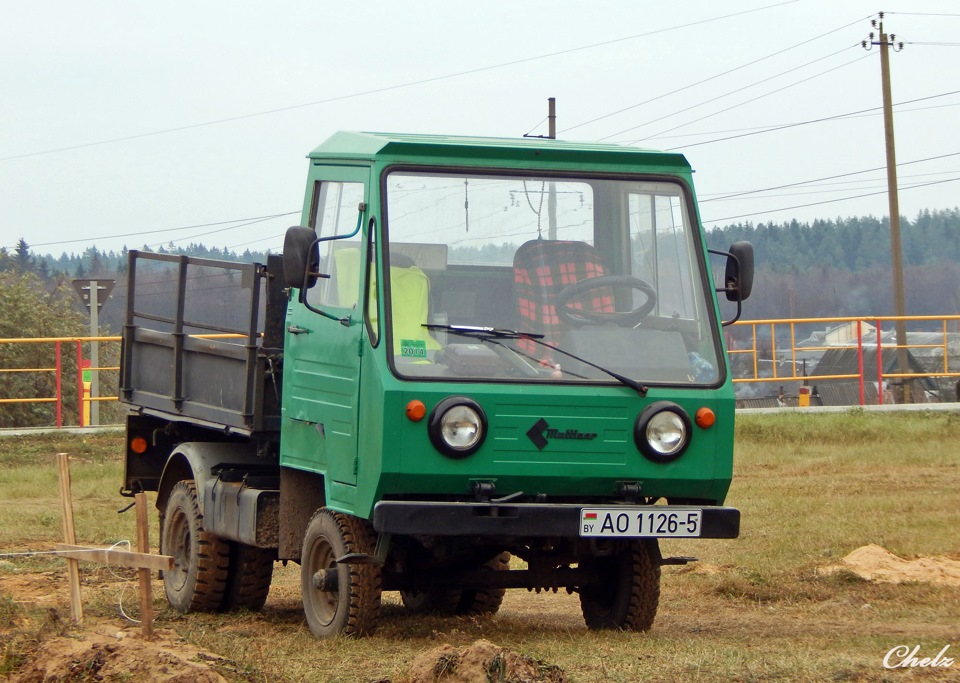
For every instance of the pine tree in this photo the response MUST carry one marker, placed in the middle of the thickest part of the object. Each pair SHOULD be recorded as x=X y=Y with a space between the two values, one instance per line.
x=24 y=261
x=96 y=262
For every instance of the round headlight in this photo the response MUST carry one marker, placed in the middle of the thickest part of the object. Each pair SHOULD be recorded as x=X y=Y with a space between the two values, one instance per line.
x=662 y=432
x=457 y=426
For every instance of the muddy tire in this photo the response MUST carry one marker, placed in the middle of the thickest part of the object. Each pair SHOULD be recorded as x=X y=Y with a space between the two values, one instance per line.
x=201 y=560
x=339 y=599
x=248 y=582
x=439 y=601
x=457 y=600
x=626 y=591
x=485 y=600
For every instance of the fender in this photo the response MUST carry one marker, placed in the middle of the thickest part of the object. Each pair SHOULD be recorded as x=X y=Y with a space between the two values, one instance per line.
x=197 y=459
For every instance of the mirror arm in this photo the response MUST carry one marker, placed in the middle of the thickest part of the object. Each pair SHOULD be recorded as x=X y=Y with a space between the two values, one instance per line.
x=724 y=323
x=730 y=287
x=307 y=274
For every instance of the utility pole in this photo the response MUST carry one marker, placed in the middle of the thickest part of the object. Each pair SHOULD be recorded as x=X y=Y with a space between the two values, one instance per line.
x=899 y=307
x=552 y=195
x=94 y=294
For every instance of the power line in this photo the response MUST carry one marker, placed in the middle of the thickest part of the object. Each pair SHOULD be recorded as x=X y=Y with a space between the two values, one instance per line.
x=830 y=177
x=805 y=123
x=706 y=80
x=733 y=92
x=153 y=232
x=851 y=185
x=826 y=201
x=389 y=88
x=759 y=97
x=771 y=126
x=922 y=14
x=232 y=227
x=261 y=239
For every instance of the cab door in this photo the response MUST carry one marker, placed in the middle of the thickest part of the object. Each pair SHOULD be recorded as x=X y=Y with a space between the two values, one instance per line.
x=322 y=347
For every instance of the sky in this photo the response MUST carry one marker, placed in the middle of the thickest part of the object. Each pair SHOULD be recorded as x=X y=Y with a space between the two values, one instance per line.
x=128 y=124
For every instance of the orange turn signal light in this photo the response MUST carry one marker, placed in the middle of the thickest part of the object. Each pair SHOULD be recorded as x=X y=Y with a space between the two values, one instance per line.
x=416 y=410
x=705 y=418
x=138 y=445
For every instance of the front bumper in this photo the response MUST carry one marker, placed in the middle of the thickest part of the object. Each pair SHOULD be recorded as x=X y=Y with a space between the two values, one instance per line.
x=521 y=519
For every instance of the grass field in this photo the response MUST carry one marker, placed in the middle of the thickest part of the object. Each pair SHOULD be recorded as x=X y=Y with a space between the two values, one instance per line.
x=811 y=488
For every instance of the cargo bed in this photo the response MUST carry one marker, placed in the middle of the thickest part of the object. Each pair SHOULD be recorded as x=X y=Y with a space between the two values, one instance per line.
x=197 y=351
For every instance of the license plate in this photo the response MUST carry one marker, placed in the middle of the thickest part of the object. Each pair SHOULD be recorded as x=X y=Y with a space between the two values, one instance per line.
x=640 y=522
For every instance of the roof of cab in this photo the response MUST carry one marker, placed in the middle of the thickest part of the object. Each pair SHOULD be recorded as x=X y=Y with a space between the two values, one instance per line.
x=368 y=146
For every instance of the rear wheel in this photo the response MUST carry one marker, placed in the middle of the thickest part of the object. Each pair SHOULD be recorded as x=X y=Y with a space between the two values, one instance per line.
x=200 y=559
x=460 y=600
x=248 y=582
x=625 y=591
x=439 y=600
x=485 y=600
x=339 y=598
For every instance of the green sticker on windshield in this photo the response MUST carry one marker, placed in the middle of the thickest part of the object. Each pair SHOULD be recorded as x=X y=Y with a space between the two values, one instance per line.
x=413 y=348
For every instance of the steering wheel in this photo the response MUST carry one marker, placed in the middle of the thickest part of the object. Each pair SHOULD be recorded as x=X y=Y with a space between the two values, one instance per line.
x=579 y=317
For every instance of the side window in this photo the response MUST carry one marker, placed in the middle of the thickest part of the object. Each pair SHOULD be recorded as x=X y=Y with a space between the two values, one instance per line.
x=661 y=251
x=336 y=212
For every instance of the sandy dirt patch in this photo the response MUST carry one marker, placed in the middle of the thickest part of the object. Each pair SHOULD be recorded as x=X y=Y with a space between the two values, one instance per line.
x=481 y=662
x=91 y=655
x=875 y=563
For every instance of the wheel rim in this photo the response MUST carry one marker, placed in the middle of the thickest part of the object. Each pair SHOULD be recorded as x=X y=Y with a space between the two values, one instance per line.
x=321 y=604
x=180 y=539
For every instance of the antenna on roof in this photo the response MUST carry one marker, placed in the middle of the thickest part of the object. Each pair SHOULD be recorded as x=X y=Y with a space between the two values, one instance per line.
x=551 y=121
x=552 y=117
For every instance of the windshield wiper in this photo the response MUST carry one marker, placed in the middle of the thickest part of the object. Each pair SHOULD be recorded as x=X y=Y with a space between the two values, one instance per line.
x=483 y=332
x=492 y=333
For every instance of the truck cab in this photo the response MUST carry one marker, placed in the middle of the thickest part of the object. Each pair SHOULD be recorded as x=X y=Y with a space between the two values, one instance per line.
x=501 y=366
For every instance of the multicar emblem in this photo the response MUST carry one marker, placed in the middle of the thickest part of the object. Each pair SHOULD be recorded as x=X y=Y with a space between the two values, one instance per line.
x=541 y=432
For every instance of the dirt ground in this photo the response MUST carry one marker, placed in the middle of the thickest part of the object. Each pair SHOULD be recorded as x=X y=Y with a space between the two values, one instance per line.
x=113 y=650
x=102 y=653
x=106 y=650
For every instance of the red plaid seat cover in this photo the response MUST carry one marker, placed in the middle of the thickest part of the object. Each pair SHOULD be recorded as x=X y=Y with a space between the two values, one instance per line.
x=544 y=268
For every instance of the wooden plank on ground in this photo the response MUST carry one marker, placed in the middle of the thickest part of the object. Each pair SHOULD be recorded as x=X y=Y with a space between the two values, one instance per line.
x=114 y=557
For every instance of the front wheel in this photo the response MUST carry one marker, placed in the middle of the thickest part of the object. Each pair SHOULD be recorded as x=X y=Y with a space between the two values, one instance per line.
x=339 y=598
x=625 y=589
x=201 y=560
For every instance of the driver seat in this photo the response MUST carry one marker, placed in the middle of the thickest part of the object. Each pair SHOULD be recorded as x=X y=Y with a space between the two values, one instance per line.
x=544 y=268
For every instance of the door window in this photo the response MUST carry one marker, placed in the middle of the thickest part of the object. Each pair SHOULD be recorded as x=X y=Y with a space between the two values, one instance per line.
x=336 y=212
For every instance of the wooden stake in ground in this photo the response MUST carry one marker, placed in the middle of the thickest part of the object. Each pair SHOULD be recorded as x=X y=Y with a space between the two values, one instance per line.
x=143 y=545
x=144 y=562
x=70 y=537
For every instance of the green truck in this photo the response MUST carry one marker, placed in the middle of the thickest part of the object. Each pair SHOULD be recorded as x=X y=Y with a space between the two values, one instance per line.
x=479 y=364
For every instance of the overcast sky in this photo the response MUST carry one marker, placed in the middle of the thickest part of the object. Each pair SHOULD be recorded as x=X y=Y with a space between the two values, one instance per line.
x=126 y=123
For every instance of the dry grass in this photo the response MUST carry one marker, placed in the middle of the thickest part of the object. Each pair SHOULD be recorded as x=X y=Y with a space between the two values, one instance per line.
x=812 y=488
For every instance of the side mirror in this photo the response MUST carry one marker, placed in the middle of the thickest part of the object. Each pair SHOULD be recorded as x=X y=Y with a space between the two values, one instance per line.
x=738 y=279
x=301 y=258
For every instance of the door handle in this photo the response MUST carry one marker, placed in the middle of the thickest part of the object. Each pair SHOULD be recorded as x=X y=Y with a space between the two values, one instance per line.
x=296 y=329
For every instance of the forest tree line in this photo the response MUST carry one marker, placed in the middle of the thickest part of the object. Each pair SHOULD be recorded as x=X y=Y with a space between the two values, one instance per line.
x=842 y=267
x=826 y=268
x=830 y=267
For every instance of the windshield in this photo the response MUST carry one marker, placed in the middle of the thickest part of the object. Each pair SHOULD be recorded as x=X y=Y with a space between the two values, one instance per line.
x=587 y=272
